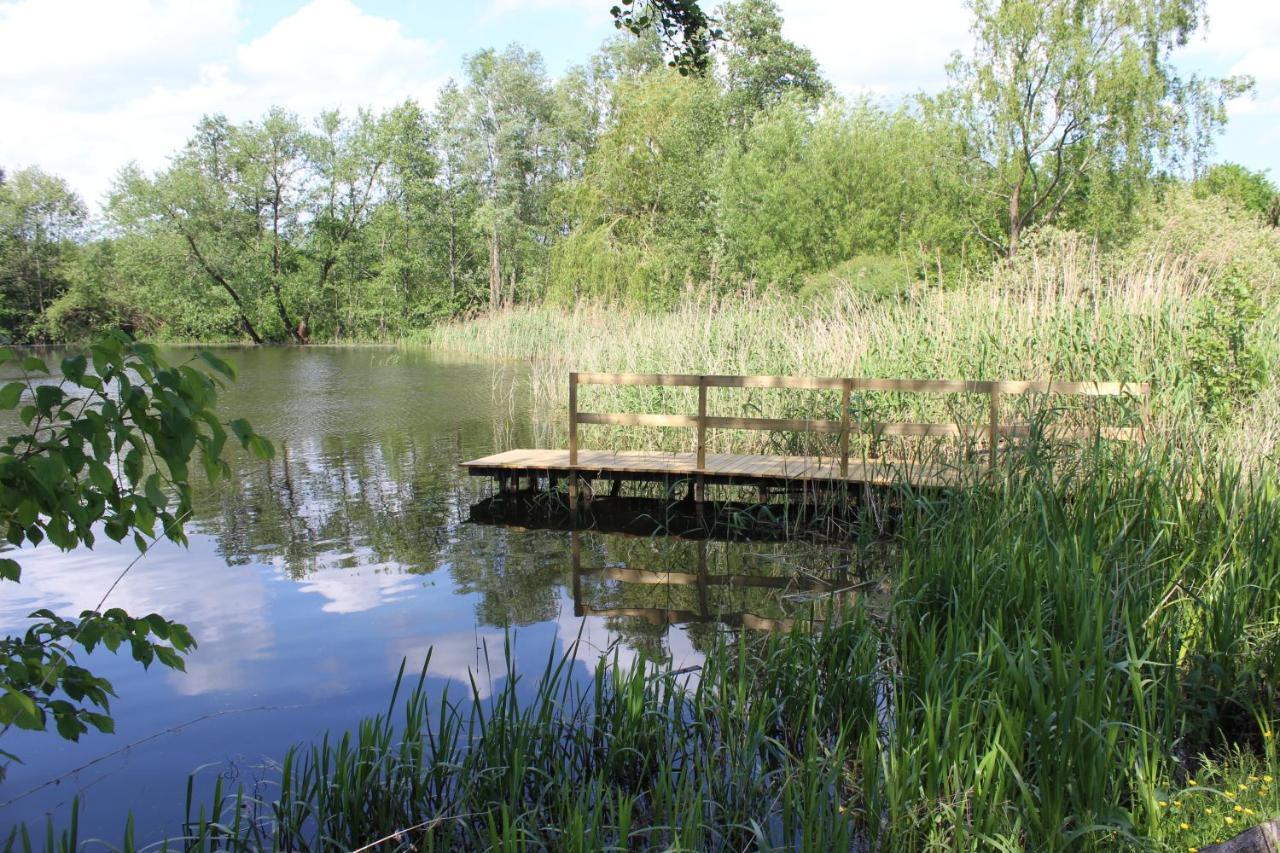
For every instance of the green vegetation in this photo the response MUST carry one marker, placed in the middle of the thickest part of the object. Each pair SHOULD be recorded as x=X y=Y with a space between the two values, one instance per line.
x=109 y=450
x=626 y=181
x=1057 y=655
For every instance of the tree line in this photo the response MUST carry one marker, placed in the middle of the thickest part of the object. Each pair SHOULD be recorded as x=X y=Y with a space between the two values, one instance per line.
x=628 y=179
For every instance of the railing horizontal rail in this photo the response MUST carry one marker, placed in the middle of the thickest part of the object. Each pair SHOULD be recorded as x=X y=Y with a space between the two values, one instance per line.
x=848 y=425
x=928 y=386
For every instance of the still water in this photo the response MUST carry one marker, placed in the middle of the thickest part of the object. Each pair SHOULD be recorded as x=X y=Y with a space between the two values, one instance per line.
x=310 y=579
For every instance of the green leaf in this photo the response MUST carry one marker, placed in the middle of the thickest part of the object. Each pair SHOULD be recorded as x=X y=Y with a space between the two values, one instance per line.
x=31 y=363
x=10 y=570
x=217 y=364
x=73 y=367
x=11 y=394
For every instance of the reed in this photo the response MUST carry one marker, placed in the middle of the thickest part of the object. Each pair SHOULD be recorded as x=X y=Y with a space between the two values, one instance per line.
x=1063 y=311
x=1061 y=658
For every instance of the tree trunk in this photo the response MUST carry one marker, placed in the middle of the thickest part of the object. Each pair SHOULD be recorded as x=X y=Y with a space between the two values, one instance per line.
x=495 y=272
x=225 y=285
x=1015 y=219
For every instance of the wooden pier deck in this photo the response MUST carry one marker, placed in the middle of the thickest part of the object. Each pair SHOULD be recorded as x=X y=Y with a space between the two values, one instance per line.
x=701 y=468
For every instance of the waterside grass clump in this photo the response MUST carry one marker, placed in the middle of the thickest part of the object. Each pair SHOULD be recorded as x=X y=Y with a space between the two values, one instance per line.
x=1060 y=660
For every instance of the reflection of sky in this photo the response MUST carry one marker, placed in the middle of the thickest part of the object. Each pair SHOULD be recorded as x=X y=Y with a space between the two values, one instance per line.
x=305 y=590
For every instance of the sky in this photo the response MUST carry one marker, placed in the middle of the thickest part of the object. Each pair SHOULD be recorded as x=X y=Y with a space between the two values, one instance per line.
x=89 y=85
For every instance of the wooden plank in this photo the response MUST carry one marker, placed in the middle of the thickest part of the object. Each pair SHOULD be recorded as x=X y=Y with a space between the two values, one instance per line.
x=630 y=419
x=926 y=386
x=1082 y=389
x=810 y=382
x=676 y=379
x=1058 y=433
x=773 y=424
x=910 y=428
x=932 y=386
x=573 y=418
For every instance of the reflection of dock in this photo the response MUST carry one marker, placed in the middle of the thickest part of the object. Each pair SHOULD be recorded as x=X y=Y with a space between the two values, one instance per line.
x=833 y=593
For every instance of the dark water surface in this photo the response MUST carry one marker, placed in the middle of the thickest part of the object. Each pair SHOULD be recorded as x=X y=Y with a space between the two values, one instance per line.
x=309 y=580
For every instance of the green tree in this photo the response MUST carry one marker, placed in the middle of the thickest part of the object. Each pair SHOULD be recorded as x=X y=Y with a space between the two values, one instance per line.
x=40 y=221
x=1253 y=191
x=1057 y=92
x=510 y=140
x=643 y=223
x=761 y=66
x=804 y=193
x=109 y=448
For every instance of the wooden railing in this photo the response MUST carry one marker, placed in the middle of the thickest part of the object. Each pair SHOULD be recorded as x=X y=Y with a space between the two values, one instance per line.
x=845 y=426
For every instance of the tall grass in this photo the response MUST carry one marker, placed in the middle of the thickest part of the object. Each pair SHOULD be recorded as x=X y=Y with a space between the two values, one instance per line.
x=1063 y=311
x=1055 y=657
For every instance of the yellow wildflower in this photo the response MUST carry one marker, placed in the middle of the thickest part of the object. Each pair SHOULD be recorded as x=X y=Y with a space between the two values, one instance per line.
x=1267 y=734
x=1248 y=811
x=1208 y=811
x=1177 y=804
x=1185 y=825
x=1253 y=778
x=1162 y=803
x=1191 y=782
x=1237 y=809
x=1230 y=795
x=1231 y=820
x=1266 y=779
x=1242 y=786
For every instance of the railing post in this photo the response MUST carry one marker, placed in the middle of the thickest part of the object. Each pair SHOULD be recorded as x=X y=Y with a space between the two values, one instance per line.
x=702 y=422
x=993 y=437
x=573 y=441
x=699 y=490
x=846 y=386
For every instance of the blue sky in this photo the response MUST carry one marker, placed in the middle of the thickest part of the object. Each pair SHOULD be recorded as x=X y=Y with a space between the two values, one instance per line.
x=88 y=85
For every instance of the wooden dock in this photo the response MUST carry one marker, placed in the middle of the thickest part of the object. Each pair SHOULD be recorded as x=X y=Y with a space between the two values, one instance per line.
x=577 y=466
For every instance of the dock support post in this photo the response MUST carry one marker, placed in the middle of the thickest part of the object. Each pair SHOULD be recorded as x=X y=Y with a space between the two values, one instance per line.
x=846 y=385
x=573 y=442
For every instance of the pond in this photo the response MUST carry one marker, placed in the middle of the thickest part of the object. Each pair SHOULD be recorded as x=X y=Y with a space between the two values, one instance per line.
x=309 y=580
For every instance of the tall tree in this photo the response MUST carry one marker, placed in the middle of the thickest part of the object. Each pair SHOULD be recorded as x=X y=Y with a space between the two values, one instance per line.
x=762 y=67
x=1057 y=92
x=40 y=221
x=511 y=136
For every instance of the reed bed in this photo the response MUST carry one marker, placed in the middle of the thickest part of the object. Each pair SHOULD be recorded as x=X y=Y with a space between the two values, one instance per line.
x=1062 y=658
x=1063 y=311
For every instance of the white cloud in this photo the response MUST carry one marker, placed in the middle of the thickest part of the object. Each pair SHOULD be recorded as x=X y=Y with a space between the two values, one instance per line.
x=881 y=49
x=87 y=86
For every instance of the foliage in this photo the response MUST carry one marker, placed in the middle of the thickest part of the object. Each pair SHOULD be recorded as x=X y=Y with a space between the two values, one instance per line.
x=1225 y=358
x=686 y=32
x=40 y=219
x=1056 y=94
x=1033 y=682
x=109 y=448
x=1253 y=191
x=761 y=67
x=642 y=213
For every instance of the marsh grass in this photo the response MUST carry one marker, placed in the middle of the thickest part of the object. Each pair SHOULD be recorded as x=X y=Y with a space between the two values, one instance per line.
x=1059 y=655
x=1063 y=310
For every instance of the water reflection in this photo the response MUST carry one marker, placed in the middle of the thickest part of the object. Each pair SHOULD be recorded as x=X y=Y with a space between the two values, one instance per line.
x=309 y=580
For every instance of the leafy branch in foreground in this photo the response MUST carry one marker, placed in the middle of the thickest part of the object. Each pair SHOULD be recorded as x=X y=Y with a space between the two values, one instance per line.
x=108 y=447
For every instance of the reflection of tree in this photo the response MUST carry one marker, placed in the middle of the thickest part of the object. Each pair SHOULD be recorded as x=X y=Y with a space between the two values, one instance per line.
x=518 y=574
x=345 y=501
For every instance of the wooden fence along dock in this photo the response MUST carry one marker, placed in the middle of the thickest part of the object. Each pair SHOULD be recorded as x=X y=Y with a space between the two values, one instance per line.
x=702 y=468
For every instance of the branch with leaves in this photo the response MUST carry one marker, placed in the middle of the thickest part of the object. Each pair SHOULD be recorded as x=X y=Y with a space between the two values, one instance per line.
x=108 y=448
